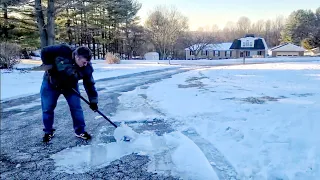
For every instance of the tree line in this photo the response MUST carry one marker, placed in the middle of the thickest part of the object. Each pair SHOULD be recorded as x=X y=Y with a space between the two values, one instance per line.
x=102 y=25
x=113 y=26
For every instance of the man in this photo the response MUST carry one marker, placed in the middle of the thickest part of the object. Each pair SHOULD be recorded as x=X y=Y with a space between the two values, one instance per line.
x=68 y=67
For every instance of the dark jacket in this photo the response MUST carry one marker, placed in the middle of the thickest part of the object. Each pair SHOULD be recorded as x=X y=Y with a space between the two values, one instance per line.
x=73 y=74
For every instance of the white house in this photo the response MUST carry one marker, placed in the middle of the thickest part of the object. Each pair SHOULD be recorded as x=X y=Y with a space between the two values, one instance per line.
x=211 y=51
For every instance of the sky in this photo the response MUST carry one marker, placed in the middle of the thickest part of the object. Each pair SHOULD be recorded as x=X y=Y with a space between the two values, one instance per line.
x=206 y=13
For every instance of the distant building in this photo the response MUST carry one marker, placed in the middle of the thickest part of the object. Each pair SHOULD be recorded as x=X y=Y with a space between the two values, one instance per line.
x=151 y=56
x=211 y=51
x=250 y=46
x=286 y=49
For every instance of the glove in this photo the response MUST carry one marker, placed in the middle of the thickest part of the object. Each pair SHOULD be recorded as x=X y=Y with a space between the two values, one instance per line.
x=94 y=106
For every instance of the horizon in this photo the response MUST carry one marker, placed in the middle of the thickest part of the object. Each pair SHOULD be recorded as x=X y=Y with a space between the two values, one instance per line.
x=220 y=13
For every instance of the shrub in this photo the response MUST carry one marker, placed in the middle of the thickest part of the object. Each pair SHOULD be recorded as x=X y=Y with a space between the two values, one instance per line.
x=307 y=43
x=9 y=54
x=112 y=59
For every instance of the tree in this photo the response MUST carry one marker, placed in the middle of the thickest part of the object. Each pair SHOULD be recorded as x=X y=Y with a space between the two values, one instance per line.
x=307 y=43
x=243 y=26
x=277 y=26
x=197 y=41
x=315 y=34
x=5 y=26
x=133 y=37
x=259 y=27
x=134 y=40
x=272 y=31
x=46 y=24
x=229 y=32
x=300 y=25
x=164 y=26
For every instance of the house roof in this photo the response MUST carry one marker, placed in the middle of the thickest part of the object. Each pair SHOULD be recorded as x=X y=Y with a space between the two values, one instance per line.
x=216 y=47
x=219 y=47
x=287 y=47
x=195 y=46
x=259 y=43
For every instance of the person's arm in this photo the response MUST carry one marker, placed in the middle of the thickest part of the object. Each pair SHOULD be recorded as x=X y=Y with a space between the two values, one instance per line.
x=89 y=85
x=47 y=55
x=50 y=53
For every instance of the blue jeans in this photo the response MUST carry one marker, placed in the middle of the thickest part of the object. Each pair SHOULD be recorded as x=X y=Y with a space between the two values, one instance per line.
x=49 y=98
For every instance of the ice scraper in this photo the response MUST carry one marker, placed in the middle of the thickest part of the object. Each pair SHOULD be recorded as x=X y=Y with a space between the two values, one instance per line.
x=122 y=133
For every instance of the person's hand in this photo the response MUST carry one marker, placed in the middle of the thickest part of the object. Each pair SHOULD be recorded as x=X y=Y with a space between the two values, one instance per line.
x=94 y=106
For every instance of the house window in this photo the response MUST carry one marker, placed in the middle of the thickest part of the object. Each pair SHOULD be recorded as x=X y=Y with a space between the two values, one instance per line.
x=228 y=53
x=216 y=53
x=250 y=44
x=206 y=53
x=260 y=53
x=244 y=44
x=191 y=53
x=247 y=43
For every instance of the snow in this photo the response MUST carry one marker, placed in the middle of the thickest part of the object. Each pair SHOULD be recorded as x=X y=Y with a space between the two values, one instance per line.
x=14 y=83
x=124 y=132
x=263 y=118
x=19 y=83
x=82 y=159
x=219 y=47
x=268 y=113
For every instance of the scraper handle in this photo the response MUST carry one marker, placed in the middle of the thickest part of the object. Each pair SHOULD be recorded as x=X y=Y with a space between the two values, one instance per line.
x=105 y=117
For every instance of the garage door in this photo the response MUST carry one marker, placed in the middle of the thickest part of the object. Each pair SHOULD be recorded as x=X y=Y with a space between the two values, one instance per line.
x=287 y=53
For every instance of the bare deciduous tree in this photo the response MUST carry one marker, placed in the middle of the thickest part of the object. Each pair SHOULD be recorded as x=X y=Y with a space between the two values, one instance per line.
x=277 y=26
x=243 y=25
x=164 y=26
x=229 y=32
x=197 y=41
x=258 y=27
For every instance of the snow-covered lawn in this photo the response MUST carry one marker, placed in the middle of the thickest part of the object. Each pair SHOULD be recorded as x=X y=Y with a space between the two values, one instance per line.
x=263 y=118
x=19 y=83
